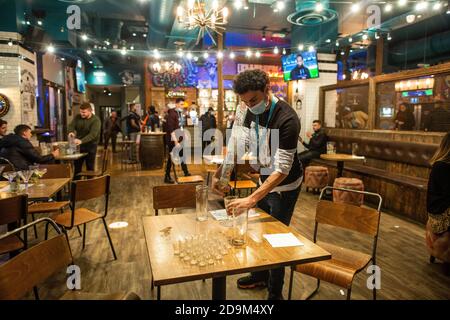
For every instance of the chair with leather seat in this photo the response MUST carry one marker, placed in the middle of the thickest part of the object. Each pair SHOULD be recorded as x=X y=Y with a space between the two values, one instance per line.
x=23 y=273
x=345 y=262
x=13 y=209
x=83 y=190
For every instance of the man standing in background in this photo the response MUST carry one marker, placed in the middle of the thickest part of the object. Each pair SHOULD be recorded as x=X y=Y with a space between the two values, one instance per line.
x=110 y=129
x=133 y=127
x=85 y=129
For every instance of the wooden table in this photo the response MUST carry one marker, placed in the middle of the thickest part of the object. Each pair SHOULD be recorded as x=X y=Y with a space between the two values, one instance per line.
x=49 y=188
x=340 y=158
x=71 y=157
x=257 y=255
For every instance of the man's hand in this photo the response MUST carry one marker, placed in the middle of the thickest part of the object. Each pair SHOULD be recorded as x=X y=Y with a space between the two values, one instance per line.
x=308 y=134
x=243 y=203
x=77 y=142
x=55 y=153
x=300 y=139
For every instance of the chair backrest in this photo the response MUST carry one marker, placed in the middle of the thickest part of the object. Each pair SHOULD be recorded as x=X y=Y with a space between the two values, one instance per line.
x=57 y=171
x=91 y=188
x=174 y=196
x=19 y=275
x=13 y=209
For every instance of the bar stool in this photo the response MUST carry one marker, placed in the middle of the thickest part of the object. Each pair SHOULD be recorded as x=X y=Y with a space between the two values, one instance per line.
x=316 y=177
x=348 y=197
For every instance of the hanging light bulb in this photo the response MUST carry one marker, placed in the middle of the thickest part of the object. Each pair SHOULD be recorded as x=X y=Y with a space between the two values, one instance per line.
x=248 y=53
x=350 y=39
x=219 y=55
x=215 y=5
x=51 y=48
x=123 y=51
x=328 y=40
x=437 y=6
x=232 y=55
x=377 y=36
x=337 y=43
x=421 y=5
x=301 y=47
x=238 y=4
x=355 y=7
x=258 y=54
x=276 y=51
x=284 y=51
x=205 y=55
x=84 y=37
x=311 y=48
x=401 y=3
x=156 y=54
x=189 y=55
x=10 y=43
x=132 y=48
x=180 y=53
x=89 y=51
x=225 y=14
x=318 y=7
x=365 y=36
x=388 y=7
x=389 y=38
x=280 y=5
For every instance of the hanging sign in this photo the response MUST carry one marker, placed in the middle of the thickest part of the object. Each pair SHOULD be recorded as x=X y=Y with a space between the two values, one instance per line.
x=4 y=105
x=176 y=94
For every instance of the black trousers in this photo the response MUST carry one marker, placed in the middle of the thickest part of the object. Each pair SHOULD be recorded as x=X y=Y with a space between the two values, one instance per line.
x=113 y=137
x=280 y=206
x=305 y=157
x=91 y=150
x=169 y=161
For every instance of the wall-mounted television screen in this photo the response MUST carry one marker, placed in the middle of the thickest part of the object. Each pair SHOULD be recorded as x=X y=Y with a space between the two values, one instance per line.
x=79 y=76
x=300 y=66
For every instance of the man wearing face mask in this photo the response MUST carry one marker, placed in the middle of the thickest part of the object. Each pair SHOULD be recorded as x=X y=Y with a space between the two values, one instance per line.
x=278 y=191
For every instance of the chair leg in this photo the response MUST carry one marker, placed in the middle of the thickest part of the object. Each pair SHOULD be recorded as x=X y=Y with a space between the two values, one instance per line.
x=152 y=286
x=79 y=231
x=109 y=239
x=46 y=231
x=349 y=293
x=36 y=293
x=34 y=227
x=84 y=236
x=291 y=279
x=315 y=290
x=68 y=242
x=374 y=293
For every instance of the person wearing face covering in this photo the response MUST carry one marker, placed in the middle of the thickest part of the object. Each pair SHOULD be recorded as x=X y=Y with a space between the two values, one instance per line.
x=272 y=127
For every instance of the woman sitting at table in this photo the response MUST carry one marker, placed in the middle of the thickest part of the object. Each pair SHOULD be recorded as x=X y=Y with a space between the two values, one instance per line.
x=18 y=149
x=438 y=205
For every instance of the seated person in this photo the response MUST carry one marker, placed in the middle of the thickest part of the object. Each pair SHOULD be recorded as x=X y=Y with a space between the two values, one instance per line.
x=18 y=149
x=438 y=205
x=317 y=144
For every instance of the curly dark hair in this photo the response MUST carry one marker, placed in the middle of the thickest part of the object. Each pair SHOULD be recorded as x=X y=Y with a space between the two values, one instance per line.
x=251 y=80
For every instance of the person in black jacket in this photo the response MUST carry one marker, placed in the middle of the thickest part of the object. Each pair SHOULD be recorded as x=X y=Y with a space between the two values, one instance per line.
x=317 y=144
x=18 y=149
x=404 y=119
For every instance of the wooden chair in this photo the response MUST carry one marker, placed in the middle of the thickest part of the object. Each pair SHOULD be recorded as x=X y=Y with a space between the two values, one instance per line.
x=83 y=190
x=32 y=267
x=240 y=185
x=54 y=171
x=185 y=180
x=174 y=196
x=345 y=263
x=99 y=173
x=13 y=210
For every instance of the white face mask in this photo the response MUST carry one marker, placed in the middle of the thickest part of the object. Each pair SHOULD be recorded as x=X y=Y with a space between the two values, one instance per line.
x=258 y=108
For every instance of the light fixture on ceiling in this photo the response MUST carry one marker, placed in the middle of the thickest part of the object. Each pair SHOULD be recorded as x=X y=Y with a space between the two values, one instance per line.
x=421 y=5
x=238 y=4
x=39 y=22
x=232 y=55
x=144 y=35
x=377 y=36
x=156 y=54
x=258 y=54
x=246 y=5
x=248 y=53
x=51 y=48
x=264 y=36
x=134 y=34
x=318 y=7
x=132 y=48
x=311 y=48
x=205 y=55
x=328 y=41
x=301 y=47
x=123 y=51
x=337 y=43
x=63 y=59
x=10 y=43
x=208 y=20
x=284 y=51
x=219 y=55
x=276 y=50
x=84 y=37
x=355 y=7
x=180 y=53
x=342 y=53
x=195 y=58
x=91 y=62
x=388 y=7
x=280 y=5
x=401 y=3
x=350 y=39
x=389 y=38
x=410 y=18
x=437 y=6
x=365 y=36
x=89 y=51
x=189 y=55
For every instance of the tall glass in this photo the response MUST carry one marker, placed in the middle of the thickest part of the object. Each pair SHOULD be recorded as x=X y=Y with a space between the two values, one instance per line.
x=240 y=225
x=201 y=192
x=11 y=175
x=227 y=201
x=331 y=147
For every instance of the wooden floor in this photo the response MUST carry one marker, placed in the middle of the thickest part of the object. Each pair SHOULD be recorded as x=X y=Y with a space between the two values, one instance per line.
x=402 y=256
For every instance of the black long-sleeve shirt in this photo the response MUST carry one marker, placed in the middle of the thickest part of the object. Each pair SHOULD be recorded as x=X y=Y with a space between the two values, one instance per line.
x=438 y=194
x=318 y=142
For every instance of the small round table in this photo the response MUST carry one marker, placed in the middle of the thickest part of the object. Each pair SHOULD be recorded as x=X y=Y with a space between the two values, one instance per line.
x=340 y=158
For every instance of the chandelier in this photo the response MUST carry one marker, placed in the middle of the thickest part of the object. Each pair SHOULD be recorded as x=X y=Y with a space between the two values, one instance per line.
x=206 y=20
x=165 y=67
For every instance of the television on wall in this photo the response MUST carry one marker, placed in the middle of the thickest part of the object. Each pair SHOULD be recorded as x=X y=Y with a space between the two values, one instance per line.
x=79 y=76
x=300 y=66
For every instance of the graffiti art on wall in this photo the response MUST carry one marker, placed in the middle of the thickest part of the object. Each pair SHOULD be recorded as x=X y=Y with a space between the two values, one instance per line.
x=28 y=97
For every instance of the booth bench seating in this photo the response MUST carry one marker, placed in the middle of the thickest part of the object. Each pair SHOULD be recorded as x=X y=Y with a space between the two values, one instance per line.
x=384 y=172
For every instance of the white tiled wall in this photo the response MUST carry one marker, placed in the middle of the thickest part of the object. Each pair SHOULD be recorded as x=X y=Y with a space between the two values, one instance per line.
x=10 y=69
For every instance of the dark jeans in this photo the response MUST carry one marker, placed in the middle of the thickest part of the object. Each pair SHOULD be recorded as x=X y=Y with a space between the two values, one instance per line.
x=113 y=137
x=305 y=157
x=169 y=161
x=91 y=150
x=280 y=206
